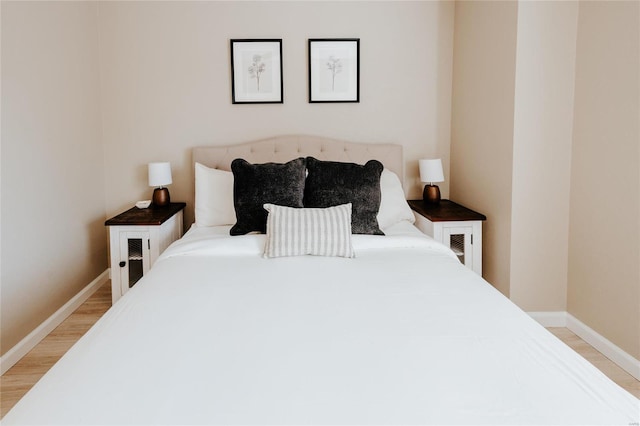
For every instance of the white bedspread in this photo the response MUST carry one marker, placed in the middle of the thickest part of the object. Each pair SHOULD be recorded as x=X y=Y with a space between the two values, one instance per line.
x=402 y=334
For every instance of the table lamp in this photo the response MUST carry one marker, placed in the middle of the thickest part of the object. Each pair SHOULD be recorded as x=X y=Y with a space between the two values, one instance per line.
x=430 y=172
x=159 y=176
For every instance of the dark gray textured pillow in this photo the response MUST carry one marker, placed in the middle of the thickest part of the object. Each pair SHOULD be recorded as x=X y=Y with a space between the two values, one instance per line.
x=257 y=184
x=331 y=183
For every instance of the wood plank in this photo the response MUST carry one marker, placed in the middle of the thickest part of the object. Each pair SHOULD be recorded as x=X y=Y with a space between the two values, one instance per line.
x=150 y=216
x=444 y=211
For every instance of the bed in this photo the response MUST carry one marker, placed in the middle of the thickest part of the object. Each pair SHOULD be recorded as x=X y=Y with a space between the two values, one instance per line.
x=224 y=331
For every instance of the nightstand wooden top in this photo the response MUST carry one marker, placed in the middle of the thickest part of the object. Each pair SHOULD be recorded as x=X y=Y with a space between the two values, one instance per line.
x=445 y=211
x=149 y=216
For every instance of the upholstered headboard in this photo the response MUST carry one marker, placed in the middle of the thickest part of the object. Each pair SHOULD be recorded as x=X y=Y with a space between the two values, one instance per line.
x=281 y=149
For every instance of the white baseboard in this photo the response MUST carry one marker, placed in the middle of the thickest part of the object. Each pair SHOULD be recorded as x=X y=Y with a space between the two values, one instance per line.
x=595 y=339
x=604 y=346
x=550 y=319
x=14 y=354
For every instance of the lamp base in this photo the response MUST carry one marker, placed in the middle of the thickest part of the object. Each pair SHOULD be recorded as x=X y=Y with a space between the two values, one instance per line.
x=431 y=194
x=161 y=197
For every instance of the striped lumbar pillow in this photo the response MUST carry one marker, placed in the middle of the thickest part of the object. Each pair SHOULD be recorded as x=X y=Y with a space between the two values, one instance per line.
x=320 y=232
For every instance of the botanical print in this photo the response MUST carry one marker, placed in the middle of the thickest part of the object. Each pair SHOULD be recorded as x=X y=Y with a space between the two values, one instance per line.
x=256 y=66
x=258 y=76
x=334 y=70
x=337 y=67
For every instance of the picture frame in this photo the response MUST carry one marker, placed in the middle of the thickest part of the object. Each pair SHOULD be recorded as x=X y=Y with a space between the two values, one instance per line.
x=256 y=71
x=334 y=70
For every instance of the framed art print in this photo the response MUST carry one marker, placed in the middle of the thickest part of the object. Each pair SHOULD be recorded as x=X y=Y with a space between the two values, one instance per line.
x=256 y=71
x=334 y=70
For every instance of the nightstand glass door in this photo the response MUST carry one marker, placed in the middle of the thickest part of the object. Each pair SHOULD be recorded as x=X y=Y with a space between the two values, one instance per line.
x=460 y=240
x=134 y=258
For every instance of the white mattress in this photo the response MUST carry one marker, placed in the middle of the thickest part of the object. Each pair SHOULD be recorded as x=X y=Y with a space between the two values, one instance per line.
x=402 y=334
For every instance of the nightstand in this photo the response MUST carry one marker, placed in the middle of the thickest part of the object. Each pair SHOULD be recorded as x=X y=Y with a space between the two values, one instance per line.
x=137 y=237
x=455 y=226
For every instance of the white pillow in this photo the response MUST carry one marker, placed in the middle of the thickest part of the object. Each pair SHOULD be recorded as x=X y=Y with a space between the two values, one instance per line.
x=320 y=232
x=393 y=203
x=214 y=197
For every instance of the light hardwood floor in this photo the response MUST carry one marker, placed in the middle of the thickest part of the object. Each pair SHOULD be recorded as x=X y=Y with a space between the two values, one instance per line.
x=22 y=376
x=26 y=372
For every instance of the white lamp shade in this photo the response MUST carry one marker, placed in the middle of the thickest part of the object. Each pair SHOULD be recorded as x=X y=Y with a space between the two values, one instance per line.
x=431 y=170
x=159 y=174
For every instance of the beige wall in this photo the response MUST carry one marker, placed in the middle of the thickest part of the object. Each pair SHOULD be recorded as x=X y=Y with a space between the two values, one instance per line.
x=511 y=140
x=166 y=82
x=53 y=238
x=92 y=92
x=604 y=249
x=562 y=191
x=542 y=129
x=482 y=124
